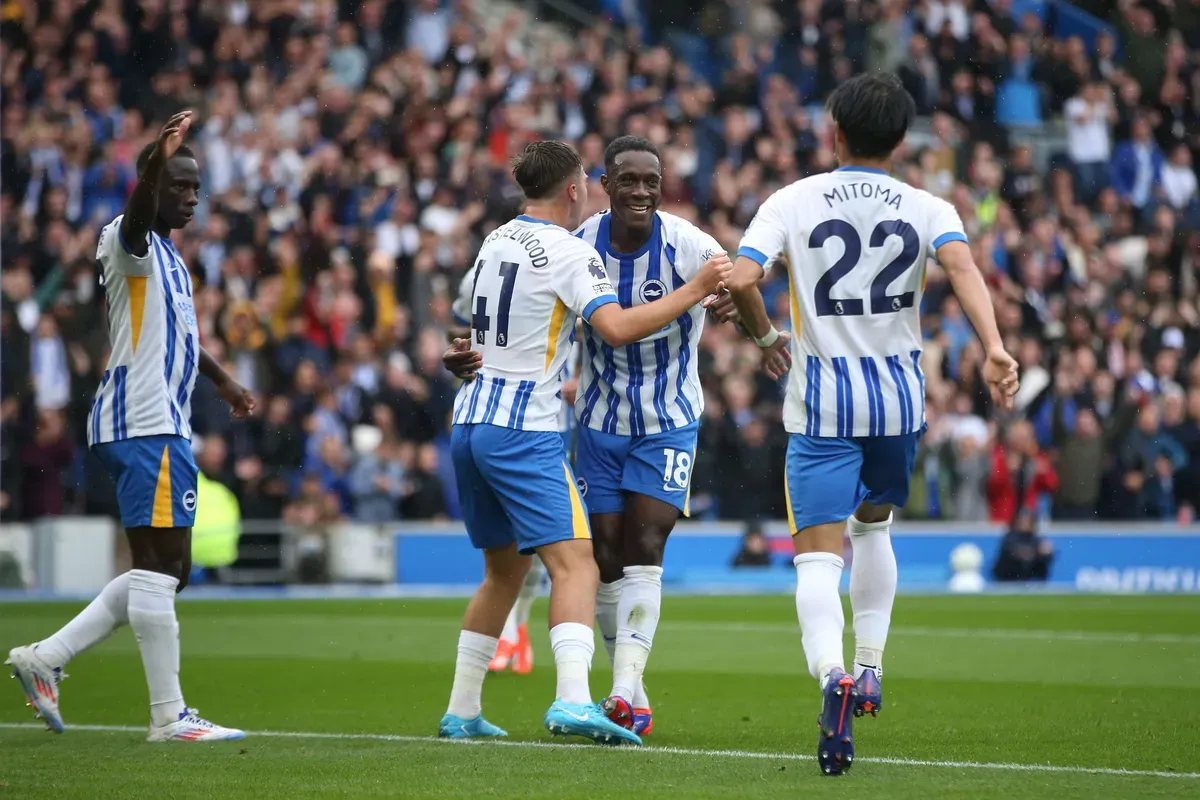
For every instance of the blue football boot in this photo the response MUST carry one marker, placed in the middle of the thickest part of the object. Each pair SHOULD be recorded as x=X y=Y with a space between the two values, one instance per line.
x=452 y=727
x=835 y=742
x=568 y=719
x=870 y=693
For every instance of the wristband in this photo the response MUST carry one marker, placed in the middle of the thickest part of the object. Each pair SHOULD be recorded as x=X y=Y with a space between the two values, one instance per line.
x=768 y=340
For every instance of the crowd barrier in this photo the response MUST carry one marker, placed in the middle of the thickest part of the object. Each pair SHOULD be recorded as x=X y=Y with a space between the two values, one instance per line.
x=79 y=555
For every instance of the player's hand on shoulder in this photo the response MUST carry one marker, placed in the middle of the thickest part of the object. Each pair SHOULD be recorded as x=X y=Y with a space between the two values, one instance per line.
x=461 y=361
x=714 y=273
x=721 y=307
x=240 y=399
x=1000 y=374
x=777 y=359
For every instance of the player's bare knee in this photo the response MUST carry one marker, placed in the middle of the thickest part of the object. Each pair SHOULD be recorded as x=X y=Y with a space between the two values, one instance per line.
x=645 y=548
x=827 y=538
x=872 y=514
x=506 y=568
x=571 y=561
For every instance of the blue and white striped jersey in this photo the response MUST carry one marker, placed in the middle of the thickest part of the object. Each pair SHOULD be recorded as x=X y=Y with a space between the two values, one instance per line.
x=461 y=311
x=530 y=281
x=147 y=388
x=652 y=385
x=857 y=243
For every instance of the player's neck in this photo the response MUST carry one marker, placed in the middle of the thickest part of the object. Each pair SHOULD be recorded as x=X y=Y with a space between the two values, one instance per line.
x=624 y=239
x=548 y=212
x=873 y=164
x=162 y=228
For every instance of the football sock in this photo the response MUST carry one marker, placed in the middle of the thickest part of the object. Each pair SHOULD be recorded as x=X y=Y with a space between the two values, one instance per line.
x=109 y=611
x=152 y=617
x=638 y=612
x=475 y=651
x=529 y=592
x=509 y=634
x=574 y=644
x=872 y=590
x=607 y=599
x=819 y=611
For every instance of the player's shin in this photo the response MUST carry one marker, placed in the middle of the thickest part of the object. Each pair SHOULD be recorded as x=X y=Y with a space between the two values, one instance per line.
x=872 y=591
x=109 y=611
x=819 y=611
x=637 y=614
x=574 y=580
x=475 y=651
x=607 y=600
x=152 y=617
x=529 y=592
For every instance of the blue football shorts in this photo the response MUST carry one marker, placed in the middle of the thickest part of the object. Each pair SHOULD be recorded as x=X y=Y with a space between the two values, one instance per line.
x=657 y=465
x=828 y=478
x=516 y=486
x=156 y=480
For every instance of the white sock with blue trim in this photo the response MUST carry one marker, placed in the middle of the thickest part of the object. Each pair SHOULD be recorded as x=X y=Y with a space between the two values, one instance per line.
x=637 y=616
x=873 y=578
x=819 y=611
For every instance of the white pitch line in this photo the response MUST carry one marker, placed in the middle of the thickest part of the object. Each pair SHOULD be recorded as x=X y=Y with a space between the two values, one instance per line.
x=1109 y=637
x=652 y=751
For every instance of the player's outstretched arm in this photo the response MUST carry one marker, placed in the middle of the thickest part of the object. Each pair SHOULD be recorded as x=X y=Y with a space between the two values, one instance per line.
x=241 y=401
x=621 y=326
x=1000 y=369
x=743 y=287
x=142 y=207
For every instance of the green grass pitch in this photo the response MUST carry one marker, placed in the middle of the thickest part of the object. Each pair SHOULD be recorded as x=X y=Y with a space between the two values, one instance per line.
x=985 y=697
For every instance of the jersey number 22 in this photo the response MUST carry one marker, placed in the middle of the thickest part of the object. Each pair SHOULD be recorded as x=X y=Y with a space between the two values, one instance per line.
x=881 y=301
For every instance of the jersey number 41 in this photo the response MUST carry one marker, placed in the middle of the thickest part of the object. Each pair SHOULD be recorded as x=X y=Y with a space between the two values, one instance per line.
x=481 y=323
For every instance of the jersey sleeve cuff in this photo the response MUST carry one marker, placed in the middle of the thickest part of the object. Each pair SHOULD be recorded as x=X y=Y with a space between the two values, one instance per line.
x=591 y=307
x=458 y=319
x=757 y=256
x=952 y=236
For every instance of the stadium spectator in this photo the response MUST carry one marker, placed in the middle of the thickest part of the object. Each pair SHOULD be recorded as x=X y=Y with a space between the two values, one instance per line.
x=1022 y=477
x=355 y=154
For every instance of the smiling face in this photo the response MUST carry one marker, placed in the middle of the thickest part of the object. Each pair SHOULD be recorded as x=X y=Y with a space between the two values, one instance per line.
x=179 y=192
x=634 y=188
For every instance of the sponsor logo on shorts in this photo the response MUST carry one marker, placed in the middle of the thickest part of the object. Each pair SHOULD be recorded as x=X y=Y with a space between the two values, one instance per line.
x=189 y=500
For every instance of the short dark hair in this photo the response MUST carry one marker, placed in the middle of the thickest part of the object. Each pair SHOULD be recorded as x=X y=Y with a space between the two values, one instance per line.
x=543 y=167
x=144 y=156
x=873 y=111
x=628 y=144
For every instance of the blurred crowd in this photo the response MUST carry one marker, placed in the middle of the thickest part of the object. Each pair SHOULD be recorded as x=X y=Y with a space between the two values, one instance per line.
x=354 y=153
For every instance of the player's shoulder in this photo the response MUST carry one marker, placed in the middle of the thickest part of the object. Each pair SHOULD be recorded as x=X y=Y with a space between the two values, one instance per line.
x=588 y=228
x=108 y=242
x=678 y=232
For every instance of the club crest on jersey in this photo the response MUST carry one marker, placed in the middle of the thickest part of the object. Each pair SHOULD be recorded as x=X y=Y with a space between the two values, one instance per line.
x=652 y=290
x=189 y=500
x=597 y=269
